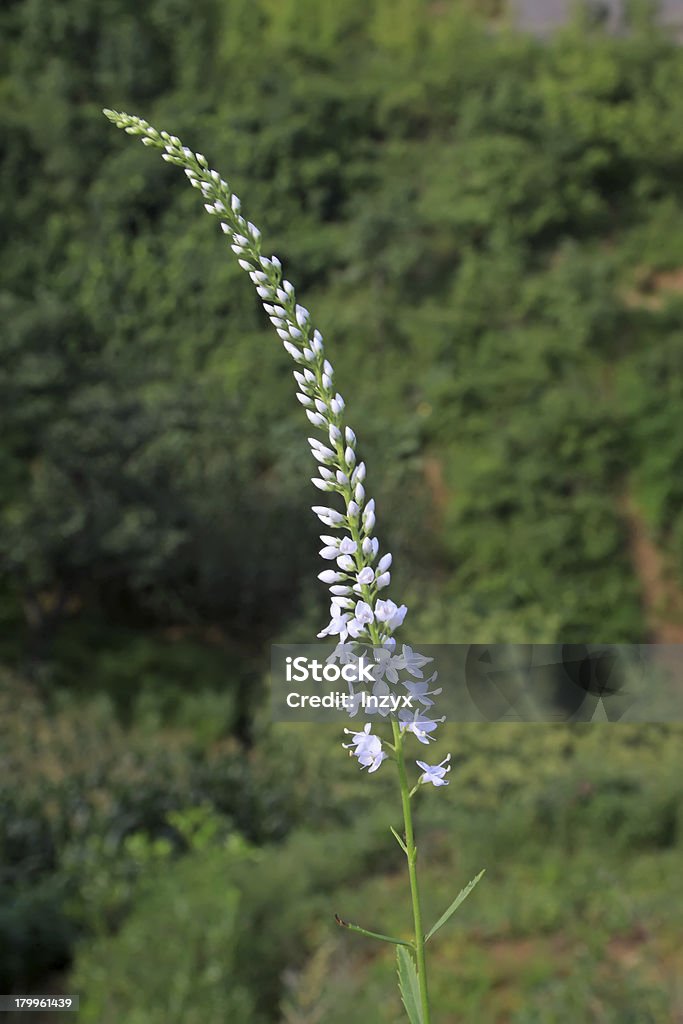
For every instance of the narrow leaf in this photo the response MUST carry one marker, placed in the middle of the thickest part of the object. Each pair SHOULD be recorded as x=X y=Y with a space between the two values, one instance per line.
x=371 y=935
x=399 y=840
x=409 y=985
x=460 y=898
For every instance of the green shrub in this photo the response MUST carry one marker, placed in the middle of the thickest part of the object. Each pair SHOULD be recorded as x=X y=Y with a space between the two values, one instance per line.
x=173 y=961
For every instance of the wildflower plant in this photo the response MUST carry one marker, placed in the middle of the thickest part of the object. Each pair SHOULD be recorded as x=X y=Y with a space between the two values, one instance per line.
x=362 y=617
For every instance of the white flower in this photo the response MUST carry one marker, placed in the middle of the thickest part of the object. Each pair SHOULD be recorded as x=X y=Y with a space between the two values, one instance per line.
x=435 y=773
x=387 y=664
x=419 y=690
x=363 y=612
x=419 y=725
x=389 y=612
x=336 y=626
x=368 y=748
x=413 y=662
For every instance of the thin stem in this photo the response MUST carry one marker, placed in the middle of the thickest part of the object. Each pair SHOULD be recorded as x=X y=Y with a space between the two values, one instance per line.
x=412 y=873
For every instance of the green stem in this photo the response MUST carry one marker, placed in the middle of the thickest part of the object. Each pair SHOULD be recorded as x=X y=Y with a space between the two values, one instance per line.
x=412 y=873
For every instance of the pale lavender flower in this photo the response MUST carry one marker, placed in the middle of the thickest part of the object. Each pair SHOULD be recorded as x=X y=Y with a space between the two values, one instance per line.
x=435 y=773
x=368 y=748
x=419 y=725
x=413 y=662
x=419 y=690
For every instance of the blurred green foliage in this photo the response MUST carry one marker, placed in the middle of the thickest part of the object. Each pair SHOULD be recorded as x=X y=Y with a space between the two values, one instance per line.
x=472 y=215
x=488 y=230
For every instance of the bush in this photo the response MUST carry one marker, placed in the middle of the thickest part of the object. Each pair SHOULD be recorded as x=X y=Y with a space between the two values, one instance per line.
x=233 y=918
x=173 y=961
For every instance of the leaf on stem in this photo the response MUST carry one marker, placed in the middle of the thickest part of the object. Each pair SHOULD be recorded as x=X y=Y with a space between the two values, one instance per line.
x=460 y=898
x=409 y=985
x=372 y=935
x=399 y=840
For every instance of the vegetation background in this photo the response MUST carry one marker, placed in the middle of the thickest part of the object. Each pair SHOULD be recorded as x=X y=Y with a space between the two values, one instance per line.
x=489 y=230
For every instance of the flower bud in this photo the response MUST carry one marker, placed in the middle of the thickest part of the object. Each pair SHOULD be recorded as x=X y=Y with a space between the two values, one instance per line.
x=293 y=350
x=329 y=576
x=328 y=515
x=384 y=563
x=302 y=316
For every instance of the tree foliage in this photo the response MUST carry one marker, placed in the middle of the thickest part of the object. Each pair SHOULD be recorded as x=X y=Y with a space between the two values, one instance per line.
x=464 y=211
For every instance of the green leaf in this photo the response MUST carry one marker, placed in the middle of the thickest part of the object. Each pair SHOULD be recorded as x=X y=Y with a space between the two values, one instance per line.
x=399 y=840
x=371 y=935
x=409 y=985
x=460 y=898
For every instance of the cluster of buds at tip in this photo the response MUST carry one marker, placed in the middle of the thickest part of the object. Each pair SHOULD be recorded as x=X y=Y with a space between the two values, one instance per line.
x=358 y=608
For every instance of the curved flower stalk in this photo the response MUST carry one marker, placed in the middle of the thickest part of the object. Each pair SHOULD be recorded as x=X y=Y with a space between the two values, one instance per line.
x=360 y=612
